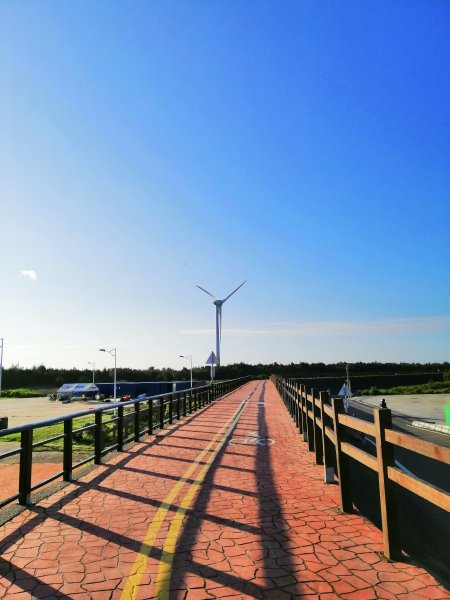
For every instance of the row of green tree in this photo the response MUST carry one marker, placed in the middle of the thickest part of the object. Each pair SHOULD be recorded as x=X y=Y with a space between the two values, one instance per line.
x=47 y=377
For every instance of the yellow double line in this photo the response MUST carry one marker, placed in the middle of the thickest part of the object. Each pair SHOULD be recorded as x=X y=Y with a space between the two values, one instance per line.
x=165 y=567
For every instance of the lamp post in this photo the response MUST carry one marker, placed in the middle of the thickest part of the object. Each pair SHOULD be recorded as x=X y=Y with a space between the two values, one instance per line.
x=113 y=352
x=188 y=357
x=93 y=370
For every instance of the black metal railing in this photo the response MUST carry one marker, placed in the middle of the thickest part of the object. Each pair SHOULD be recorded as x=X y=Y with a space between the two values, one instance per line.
x=108 y=428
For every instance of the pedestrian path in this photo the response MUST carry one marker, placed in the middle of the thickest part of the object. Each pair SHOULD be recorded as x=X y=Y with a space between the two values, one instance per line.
x=228 y=503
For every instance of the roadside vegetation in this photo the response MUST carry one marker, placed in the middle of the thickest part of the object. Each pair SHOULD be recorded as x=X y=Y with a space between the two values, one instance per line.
x=26 y=393
x=83 y=441
x=41 y=377
x=432 y=387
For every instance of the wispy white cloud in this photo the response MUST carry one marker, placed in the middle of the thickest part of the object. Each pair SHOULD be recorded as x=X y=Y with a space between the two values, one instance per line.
x=31 y=274
x=340 y=328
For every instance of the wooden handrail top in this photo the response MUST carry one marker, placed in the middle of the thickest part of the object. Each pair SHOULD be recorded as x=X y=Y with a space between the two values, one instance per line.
x=330 y=434
x=362 y=457
x=421 y=488
x=419 y=446
x=328 y=410
x=358 y=424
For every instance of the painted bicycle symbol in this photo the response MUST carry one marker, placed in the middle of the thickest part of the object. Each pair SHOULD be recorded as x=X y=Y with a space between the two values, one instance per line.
x=253 y=439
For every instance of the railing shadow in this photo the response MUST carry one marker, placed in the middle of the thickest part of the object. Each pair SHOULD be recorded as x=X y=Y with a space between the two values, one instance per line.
x=37 y=588
x=261 y=573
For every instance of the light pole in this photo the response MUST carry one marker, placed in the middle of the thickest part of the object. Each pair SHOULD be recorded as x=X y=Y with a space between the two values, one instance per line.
x=93 y=370
x=113 y=352
x=1 y=364
x=188 y=357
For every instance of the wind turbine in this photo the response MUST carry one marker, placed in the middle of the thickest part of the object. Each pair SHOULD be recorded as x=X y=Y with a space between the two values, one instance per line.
x=219 y=304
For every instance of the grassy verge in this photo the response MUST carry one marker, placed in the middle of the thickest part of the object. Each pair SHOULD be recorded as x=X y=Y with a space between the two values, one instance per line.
x=83 y=441
x=432 y=387
x=25 y=393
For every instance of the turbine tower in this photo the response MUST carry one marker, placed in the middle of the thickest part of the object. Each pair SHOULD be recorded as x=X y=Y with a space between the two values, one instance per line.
x=219 y=304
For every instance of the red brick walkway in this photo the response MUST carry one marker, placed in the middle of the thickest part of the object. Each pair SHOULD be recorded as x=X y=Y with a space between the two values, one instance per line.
x=248 y=519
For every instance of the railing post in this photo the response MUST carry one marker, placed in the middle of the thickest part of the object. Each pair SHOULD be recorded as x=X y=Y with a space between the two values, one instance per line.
x=341 y=459
x=178 y=406
x=161 y=412
x=98 y=440
x=184 y=404
x=388 y=496
x=327 y=444
x=304 y=408
x=150 y=416
x=26 y=460
x=171 y=408
x=297 y=407
x=309 y=421
x=190 y=401
x=136 y=421
x=120 y=429
x=318 y=437
x=67 y=450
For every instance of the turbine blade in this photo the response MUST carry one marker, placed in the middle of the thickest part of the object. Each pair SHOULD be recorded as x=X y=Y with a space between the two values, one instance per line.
x=229 y=295
x=206 y=292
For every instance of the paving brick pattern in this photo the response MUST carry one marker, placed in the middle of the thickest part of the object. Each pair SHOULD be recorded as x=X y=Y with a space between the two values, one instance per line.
x=262 y=525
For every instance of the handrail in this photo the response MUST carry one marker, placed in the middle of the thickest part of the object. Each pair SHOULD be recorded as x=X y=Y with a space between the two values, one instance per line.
x=329 y=433
x=91 y=411
x=127 y=426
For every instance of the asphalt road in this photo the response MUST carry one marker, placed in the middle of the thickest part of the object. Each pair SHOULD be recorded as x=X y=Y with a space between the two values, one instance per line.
x=424 y=528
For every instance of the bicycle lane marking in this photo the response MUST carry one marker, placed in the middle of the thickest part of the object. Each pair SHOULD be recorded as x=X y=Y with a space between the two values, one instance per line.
x=163 y=577
x=137 y=570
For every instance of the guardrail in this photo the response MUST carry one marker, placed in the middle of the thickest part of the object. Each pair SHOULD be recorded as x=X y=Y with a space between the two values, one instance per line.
x=326 y=428
x=145 y=416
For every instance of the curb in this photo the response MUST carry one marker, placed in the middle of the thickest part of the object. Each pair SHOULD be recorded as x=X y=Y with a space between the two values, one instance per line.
x=437 y=427
x=432 y=426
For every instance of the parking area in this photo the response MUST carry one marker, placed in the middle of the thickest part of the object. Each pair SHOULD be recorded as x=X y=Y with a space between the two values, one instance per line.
x=30 y=410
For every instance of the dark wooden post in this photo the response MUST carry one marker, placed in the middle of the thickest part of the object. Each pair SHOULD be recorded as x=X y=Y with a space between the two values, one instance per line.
x=327 y=444
x=26 y=460
x=318 y=437
x=304 y=408
x=67 y=450
x=341 y=459
x=309 y=421
x=388 y=496
x=299 y=414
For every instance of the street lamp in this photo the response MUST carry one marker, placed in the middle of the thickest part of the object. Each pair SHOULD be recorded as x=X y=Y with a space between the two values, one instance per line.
x=113 y=352
x=93 y=370
x=188 y=357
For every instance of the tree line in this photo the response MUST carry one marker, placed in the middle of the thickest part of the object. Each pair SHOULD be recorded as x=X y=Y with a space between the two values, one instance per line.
x=47 y=377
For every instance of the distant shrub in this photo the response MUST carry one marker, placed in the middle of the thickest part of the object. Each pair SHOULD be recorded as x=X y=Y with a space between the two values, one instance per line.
x=21 y=393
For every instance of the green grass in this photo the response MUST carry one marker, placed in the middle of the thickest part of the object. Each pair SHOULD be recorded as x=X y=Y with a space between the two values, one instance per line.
x=432 y=387
x=83 y=441
x=25 y=393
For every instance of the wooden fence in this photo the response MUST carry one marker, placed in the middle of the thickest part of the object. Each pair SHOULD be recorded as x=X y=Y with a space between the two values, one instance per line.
x=328 y=431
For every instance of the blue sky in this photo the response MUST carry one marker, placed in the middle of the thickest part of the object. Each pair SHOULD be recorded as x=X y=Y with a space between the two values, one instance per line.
x=147 y=147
